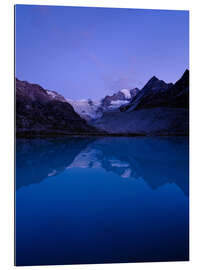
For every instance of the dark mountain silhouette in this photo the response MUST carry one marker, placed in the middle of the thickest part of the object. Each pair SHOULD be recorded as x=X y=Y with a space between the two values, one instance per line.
x=39 y=111
x=179 y=92
x=157 y=93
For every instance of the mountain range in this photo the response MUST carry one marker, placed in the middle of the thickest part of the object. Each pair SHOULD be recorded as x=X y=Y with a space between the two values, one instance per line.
x=93 y=109
x=159 y=108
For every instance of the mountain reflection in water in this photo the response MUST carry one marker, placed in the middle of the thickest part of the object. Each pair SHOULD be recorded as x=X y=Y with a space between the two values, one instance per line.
x=156 y=160
x=99 y=200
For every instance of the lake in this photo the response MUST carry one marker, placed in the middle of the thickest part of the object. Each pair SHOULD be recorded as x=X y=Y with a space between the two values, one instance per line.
x=102 y=200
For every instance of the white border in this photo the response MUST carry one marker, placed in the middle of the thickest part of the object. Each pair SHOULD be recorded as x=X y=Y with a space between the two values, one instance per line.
x=196 y=115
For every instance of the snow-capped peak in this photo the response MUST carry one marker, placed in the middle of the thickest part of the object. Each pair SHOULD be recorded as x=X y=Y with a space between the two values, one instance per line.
x=126 y=93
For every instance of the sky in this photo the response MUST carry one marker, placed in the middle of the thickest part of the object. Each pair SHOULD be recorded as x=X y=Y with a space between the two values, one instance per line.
x=85 y=52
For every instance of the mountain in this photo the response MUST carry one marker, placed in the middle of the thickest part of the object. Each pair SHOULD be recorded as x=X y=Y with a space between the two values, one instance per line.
x=40 y=111
x=122 y=97
x=93 y=109
x=158 y=109
x=157 y=93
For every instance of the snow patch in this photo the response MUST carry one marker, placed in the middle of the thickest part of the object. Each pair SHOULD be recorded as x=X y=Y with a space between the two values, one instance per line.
x=118 y=102
x=86 y=159
x=115 y=104
x=127 y=173
x=126 y=93
x=118 y=163
x=52 y=173
x=52 y=94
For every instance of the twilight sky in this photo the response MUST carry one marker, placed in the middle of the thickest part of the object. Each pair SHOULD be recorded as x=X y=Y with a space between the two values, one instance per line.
x=91 y=52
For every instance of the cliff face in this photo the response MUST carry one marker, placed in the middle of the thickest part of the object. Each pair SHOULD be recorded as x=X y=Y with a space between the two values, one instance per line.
x=39 y=111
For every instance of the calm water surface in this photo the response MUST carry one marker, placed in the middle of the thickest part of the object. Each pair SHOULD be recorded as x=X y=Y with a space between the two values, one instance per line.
x=87 y=200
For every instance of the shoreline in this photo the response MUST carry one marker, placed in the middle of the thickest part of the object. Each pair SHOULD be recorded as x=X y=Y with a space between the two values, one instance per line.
x=30 y=135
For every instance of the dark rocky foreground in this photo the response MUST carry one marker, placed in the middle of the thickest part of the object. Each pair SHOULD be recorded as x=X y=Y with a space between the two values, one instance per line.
x=39 y=113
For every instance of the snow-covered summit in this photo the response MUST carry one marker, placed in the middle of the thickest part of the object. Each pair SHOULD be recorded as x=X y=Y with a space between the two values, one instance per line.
x=94 y=109
x=126 y=93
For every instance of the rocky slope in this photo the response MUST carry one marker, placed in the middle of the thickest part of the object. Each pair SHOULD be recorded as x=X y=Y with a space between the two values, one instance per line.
x=39 y=111
x=155 y=121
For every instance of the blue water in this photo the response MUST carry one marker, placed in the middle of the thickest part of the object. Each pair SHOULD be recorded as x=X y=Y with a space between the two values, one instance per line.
x=87 y=200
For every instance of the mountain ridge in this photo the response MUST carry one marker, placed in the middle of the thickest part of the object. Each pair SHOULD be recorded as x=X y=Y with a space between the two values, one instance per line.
x=39 y=113
x=157 y=93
